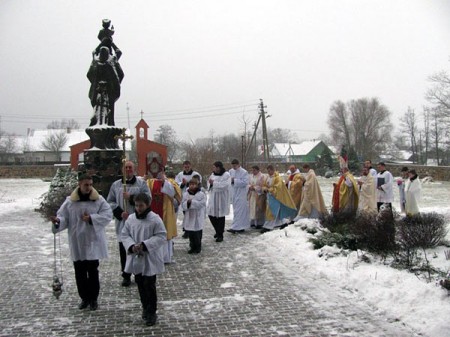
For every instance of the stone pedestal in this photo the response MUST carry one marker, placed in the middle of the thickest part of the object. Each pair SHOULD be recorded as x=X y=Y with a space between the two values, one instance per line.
x=103 y=161
x=105 y=166
x=104 y=137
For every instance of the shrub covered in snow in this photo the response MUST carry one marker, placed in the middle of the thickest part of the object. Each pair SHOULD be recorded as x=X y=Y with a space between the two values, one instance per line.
x=423 y=230
x=419 y=231
x=62 y=184
x=375 y=234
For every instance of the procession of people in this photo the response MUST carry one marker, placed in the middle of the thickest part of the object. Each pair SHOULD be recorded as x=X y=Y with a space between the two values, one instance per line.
x=145 y=214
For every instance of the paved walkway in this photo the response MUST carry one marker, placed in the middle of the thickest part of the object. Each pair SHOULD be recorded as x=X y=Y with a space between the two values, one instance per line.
x=224 y=291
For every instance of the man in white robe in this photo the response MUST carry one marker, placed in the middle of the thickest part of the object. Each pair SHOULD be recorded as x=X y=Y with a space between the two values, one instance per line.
x=368 y=165
x=367 y=192
x=143 y=237
x=121 y=200
x=401 y=188
x=183 y=178
x=163 y=193
x=218 y=204
x=239 y=183
x=413 y=193
x=85 y=214
x=385 y=194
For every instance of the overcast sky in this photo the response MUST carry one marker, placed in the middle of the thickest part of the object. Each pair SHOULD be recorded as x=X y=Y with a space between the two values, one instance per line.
x=203 y=65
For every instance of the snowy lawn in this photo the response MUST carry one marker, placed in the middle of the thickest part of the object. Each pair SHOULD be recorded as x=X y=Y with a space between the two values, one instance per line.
x=423 y=305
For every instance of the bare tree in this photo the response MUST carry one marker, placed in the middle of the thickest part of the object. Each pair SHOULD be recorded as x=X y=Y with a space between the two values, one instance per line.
x=363 y=125
x=425 y=139
x=64 y=124
x=166 y=135
x=371 y=126
x=201 y=153
x=439 y=93
x=437 y=132
x=439 y=96
x=339 y=124
x=54 y=143
x=279 y=135
x=229 y=147
x=325 y=138
x=8 y=145
x=409 y=125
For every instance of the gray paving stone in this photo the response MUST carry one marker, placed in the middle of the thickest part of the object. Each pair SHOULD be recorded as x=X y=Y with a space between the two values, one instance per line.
x=224 y=291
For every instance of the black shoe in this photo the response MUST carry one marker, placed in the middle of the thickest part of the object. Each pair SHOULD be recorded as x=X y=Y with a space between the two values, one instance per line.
x=185 y=235
x=232 y=231
x=126 y=282
x=264 y=230
x=215 y=236
x=151 y=319
x=284 y=226
x=258 y=227
x=93 y=305
x=239 y=231
x=219 y=239
x=83 y=304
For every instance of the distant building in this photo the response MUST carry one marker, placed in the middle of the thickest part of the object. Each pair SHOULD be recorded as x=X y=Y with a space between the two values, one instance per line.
x=396 y=156
x=305 y=152
x=33 y=151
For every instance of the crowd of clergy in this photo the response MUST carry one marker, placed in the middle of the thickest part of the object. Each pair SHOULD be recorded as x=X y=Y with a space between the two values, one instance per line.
x=146 y=209
x=269 y=200
x=261 y=200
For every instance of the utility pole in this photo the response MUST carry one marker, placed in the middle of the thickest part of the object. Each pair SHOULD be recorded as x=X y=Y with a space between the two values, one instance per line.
x=262 y=118
x=253 y=139
x=264 y=129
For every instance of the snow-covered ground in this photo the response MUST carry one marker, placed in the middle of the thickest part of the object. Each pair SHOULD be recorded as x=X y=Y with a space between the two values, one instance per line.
x=423 y=305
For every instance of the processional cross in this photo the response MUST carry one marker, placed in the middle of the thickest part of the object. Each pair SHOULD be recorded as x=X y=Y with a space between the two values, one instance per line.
x=123 y=137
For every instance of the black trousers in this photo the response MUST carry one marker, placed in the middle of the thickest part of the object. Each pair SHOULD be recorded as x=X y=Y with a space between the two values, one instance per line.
x=218 y=224
x=86 y=276
x=147 y=292
x=123 y=261
x=195 y=240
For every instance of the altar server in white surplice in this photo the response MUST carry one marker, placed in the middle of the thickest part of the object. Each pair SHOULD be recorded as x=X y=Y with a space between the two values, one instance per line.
x=239 y=183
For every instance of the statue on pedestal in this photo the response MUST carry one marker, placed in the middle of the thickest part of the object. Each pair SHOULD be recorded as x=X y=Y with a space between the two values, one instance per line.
x=105 y=75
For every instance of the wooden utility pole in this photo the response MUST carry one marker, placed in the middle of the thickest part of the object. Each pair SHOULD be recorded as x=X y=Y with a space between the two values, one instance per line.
x=264 y=129
x=262 y=118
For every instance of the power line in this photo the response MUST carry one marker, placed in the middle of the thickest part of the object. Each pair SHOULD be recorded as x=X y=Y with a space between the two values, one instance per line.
x=300 y=130
x=193 y=117
x=203 y=111
x=35 y=119
x=207 y=107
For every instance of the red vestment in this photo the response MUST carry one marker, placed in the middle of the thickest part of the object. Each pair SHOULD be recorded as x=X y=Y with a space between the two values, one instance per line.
x=157 y=205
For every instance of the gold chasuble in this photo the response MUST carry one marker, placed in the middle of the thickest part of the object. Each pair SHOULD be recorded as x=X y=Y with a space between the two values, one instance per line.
x=311 y=196
x=344 y=197
x=295 y=184
x=277 y=188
